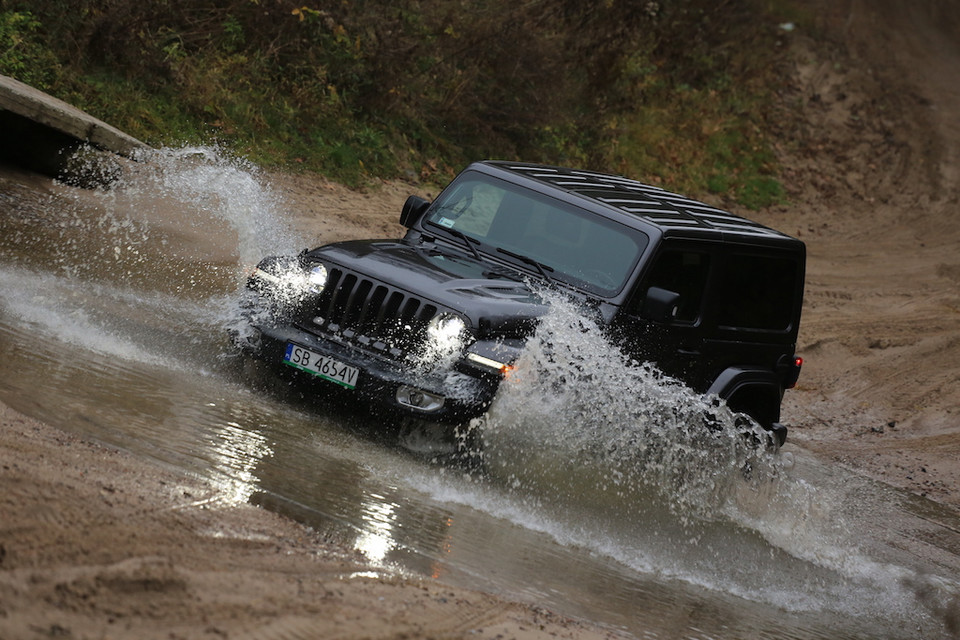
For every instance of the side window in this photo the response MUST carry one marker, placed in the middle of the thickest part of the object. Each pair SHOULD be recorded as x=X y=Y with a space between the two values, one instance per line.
x=757 y=292
x=682 y=271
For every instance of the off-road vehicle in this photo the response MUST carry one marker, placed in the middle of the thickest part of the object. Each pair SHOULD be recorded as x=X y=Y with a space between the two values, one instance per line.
x=429 y=325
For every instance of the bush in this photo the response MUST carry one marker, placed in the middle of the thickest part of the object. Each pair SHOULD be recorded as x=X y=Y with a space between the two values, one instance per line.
x=670 y=91
x=22 y=51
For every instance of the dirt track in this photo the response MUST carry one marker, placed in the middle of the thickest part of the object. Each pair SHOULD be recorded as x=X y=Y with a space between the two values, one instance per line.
x=873 y=169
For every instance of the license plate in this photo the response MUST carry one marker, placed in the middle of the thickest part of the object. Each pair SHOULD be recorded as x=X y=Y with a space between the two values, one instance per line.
x=320 y=365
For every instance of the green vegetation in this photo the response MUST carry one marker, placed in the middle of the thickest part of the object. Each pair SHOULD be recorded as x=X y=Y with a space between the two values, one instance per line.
x=23 y=54
x=676 y=92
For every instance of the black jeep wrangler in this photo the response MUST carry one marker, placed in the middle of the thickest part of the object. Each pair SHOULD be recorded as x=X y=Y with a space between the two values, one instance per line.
x=429 y=325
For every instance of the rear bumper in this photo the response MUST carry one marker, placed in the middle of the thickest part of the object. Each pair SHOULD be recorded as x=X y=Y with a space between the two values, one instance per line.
x=463 y=396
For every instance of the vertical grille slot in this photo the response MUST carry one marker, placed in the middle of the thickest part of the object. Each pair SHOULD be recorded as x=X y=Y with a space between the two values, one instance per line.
x=392 y=307
x=340 y=297
x=427 y=312
x=409 y=309
x=357 y=301
x=373 y=312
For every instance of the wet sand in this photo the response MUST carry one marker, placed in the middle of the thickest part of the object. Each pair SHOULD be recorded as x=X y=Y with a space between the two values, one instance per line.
x=96 y=543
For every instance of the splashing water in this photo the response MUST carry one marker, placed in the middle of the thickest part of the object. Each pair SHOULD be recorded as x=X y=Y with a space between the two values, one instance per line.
x=669 y=482
x=576 y=402
x=167 y=243
x=220 y=186
x=156 y=220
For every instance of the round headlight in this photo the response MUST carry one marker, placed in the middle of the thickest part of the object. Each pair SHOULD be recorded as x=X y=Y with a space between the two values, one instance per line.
x=446 y=330
x=317 y=278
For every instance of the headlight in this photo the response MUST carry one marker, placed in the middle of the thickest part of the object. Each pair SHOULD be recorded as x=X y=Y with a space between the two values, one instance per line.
x=446 y=331
x=295 y=279
x=317 y=279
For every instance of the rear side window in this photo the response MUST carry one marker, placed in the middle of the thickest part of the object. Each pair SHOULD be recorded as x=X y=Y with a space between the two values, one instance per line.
x=757 y=292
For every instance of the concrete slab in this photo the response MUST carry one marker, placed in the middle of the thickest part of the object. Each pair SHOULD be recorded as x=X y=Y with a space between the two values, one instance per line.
x=38 y=107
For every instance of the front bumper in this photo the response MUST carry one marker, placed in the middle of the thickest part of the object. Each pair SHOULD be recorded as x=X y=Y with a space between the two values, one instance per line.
x=387 y=384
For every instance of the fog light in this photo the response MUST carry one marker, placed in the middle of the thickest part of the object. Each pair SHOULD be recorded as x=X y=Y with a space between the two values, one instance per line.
x=418 y=399
x=249 y=339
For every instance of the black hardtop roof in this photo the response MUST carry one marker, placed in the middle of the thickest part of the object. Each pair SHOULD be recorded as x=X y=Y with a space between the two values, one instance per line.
x=661 y=208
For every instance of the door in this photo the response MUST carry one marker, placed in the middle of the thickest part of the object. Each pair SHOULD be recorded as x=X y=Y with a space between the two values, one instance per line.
x=674 y=344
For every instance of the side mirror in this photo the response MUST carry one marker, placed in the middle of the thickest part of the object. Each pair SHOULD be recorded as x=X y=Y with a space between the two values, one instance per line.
x=660 y=305
x=413 y=208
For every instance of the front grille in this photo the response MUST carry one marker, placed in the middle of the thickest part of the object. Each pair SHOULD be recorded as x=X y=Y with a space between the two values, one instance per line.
x=368 y=313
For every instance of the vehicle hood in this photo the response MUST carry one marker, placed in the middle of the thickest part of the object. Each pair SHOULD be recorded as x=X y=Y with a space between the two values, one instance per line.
x=494 y=298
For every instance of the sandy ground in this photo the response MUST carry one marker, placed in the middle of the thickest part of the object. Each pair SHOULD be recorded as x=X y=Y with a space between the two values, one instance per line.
x=95 y=543
x=873 y=168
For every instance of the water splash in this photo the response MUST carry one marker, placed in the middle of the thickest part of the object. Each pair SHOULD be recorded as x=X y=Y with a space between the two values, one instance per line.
x=54 y=310
x=186 y=220
x=220 y=186
x=606 y=453
x=148 y=266
x=579 y=416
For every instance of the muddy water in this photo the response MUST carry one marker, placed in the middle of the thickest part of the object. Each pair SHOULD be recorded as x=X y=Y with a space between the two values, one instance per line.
x=599 y=499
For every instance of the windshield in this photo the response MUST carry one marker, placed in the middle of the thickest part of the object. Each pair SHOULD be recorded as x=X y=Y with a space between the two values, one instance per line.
x=572 y=245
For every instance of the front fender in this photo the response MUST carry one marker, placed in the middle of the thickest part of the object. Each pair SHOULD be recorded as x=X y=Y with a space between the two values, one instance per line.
x=492 y=357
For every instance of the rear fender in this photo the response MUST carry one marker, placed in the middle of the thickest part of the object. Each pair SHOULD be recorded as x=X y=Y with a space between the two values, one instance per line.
x=756 y=392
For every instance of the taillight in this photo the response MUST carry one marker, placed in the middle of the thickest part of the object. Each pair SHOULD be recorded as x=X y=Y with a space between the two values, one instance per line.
x=794 y=373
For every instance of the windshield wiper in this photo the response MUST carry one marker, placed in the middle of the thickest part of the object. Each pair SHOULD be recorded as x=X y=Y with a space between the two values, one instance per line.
x=539 y=266
x=467 y=240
